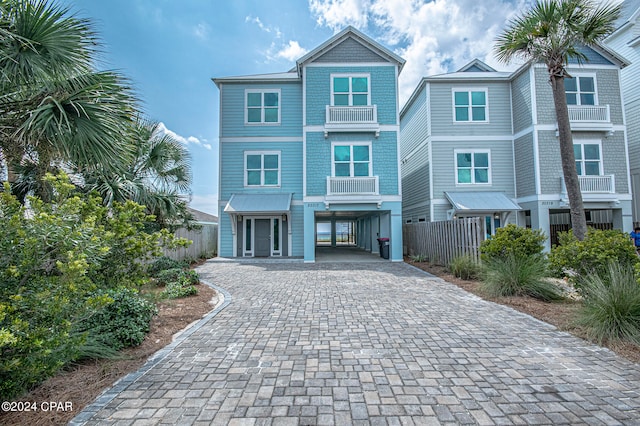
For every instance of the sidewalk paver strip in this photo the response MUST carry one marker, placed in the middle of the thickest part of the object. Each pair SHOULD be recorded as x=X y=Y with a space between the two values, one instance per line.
x=376 y=343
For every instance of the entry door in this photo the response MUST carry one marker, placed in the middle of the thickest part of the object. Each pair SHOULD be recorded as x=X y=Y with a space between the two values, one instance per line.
x=262 y=238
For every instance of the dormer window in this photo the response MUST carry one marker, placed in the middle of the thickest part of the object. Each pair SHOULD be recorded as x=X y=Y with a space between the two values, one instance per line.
x=350 y=90
x=580 y=90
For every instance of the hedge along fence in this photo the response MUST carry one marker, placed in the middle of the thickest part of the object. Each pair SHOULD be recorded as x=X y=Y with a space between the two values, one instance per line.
x=205 y=243
x=443 y=241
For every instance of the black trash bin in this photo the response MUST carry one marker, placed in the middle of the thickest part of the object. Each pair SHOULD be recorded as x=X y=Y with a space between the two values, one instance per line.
x=384 y=247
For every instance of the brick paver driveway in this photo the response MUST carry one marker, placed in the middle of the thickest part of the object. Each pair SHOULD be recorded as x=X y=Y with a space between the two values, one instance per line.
x=375 y=343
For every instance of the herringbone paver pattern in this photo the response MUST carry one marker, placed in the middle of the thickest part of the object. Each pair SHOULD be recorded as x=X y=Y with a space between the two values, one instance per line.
x=377 y=343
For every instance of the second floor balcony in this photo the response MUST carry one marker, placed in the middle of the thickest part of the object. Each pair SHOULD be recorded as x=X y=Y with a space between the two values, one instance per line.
x=362 y=118
x=350 y=189
x=590 y=117
x=594 y=188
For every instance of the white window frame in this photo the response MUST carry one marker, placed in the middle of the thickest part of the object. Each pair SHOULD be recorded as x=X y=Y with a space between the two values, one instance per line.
x=351 y=92
x=470 y=106
x=473 y=175
x=351 y=163
x=262 y=107
x=262 y=169
x=582 y=143
x=595 y=88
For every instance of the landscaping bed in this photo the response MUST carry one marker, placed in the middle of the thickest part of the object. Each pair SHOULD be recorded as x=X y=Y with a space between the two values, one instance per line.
x=81 y=384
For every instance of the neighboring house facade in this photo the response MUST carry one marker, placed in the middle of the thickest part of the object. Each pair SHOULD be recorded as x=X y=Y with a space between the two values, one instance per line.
x=626 y=42
x=315 y=146
x=482 y=143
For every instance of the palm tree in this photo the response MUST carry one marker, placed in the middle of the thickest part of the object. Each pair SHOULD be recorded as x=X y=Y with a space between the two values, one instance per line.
x=553 y=32
x=54 y=108
x=158 y=175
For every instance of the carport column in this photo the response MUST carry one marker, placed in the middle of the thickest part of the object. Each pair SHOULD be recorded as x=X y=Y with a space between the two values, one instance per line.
x=309 y=233
x=333 y=232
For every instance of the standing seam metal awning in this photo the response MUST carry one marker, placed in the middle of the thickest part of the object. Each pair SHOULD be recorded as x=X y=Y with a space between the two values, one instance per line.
x=481 y=202
x=259 y=203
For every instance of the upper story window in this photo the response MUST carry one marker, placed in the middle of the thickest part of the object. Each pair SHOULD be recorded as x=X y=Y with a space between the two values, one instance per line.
x=580 y=90
x=351 y=159
x=588 y=160
x=470 y=105
x=472 y=167
x=350 y=90
x=262 y=106
x=262 y=168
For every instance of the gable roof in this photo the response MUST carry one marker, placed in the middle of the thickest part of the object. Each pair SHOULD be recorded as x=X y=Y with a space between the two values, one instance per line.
x=350 y=33
x=476 y=66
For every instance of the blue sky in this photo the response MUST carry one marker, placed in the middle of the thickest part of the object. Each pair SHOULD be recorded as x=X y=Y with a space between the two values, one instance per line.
x=170 y=50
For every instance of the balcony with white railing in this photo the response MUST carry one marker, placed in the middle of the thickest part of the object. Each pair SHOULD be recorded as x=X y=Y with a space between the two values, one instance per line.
x=594 y=188
x=362 y=118
x=590 y=117
x=347 y=185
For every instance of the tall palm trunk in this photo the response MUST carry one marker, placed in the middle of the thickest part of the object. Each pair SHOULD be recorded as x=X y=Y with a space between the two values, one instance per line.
x=571 y=181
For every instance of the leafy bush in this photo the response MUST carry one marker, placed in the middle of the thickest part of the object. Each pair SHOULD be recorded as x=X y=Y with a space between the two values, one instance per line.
x=180 y=275
x=53 y=259
x=513 y=239
x=177 y=289
x=611 y=305
x=592 y=255
x=123 y=322
x=514 y=275
x=162 y=264
x=465 y=267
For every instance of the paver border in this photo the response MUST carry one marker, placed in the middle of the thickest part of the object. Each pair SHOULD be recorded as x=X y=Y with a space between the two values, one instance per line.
x=119 y=386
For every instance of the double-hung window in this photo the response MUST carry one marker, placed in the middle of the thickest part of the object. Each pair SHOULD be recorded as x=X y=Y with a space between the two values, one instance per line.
x=262 y=106
x=350 y=90
x=262 y=168
x=588 y=160
x=470 y=105
x=472 y=167
x=352 y=160
x=580 y=90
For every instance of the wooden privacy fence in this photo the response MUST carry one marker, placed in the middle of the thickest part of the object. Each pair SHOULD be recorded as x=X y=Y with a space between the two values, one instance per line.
x=442 y=241
x=205 y=243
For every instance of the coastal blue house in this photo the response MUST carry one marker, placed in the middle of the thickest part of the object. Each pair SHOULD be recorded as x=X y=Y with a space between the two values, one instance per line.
x=312 y=150
x=483 y=143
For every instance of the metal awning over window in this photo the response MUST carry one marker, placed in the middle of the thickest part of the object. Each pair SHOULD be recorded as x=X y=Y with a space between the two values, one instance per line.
x=481 y=202
x=259 y=204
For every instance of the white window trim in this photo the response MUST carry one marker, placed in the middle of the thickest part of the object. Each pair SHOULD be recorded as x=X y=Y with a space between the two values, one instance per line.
x=333 y=159
x=350 y=93
x=582 y=143
x=262 y=154
x=471 y=151
x=262 y=122
x=595 y=87
x=468 y=90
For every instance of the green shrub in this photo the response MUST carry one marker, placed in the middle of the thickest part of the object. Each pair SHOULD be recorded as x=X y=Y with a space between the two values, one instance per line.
x=515 y=240
x=176 y=290
x=162 y=264
x=592 y=255
x=183 y=276
x=465 y=267
x=611 y=305
x=122 y=323
x=518 y=276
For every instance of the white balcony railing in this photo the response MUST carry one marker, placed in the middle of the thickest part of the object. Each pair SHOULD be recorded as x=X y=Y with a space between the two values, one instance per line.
x=589 y=113
x=604 y=184
x=367 y=185
x=352 y=114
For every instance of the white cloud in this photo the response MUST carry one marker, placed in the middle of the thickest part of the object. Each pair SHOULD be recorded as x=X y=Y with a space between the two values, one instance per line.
x=202 y=31
x=266 y=28
x=433 y=36
x=292 y=51
x=191 y=140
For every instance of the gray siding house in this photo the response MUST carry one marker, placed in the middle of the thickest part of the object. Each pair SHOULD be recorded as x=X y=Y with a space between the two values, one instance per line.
x=626 y=42
x=483 y=143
